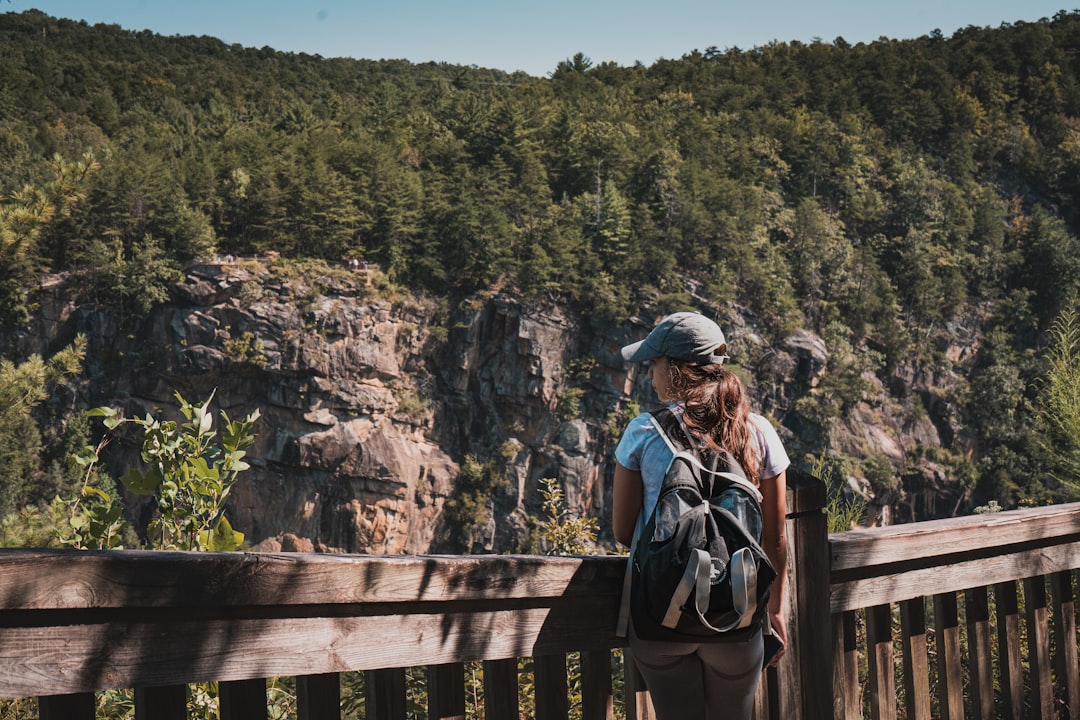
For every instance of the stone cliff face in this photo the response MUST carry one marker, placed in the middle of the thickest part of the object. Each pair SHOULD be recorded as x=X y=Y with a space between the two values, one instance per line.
x=370 y=405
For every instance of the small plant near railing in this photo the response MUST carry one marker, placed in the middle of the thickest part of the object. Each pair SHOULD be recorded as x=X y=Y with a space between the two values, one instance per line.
x=189 y=472
x=843 y=510
x=561 y=532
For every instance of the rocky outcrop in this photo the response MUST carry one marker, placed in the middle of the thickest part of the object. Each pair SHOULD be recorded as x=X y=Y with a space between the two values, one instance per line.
x=370 y=403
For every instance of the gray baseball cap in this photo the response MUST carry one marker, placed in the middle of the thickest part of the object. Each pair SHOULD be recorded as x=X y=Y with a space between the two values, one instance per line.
x=686 y=336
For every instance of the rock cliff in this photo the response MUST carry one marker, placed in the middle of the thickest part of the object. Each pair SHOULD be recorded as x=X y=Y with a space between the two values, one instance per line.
x=371 y=402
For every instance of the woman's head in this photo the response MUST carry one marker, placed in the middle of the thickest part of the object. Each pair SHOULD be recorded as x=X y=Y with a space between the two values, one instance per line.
x=688 y=352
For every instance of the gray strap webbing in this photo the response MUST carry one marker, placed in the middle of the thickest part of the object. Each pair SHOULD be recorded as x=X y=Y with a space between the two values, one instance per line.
x=622 y=627
x=696 y=578
x=697 y=568
x=693 y=459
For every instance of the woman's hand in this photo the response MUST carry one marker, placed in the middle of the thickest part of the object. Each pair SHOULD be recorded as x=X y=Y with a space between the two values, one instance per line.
x=779 y=629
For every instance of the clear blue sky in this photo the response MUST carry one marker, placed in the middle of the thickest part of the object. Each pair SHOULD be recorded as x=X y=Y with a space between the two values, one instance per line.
x=535 y=36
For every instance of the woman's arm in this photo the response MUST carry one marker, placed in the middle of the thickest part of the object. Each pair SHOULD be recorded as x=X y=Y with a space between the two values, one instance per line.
x=626 y=499
x=774 y=542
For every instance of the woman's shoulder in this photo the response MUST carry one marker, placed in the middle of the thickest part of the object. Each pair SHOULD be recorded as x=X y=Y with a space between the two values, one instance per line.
x=761 y=422
x=643 y=429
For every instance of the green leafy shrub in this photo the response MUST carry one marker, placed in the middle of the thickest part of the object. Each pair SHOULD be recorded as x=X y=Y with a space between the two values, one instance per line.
x=561 y=532
x=188 y=471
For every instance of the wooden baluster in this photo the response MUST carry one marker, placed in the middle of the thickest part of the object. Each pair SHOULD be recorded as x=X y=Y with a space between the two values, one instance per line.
x=770 y=680
x=318 y=697
x=1009 y=650
x=638 y=701
x=79 y=706
x=803 y=690
x=242 y=699
x=386 y=694
x=552 y=702
x=596 y=697
x=1065 y=661
x=161 y=703
x=977 y=612
x=501 y=688
x=947 y=637
x=916 y=659
x=446 y=691
x=879 y=652
x=1038 y=633
x=847 y=692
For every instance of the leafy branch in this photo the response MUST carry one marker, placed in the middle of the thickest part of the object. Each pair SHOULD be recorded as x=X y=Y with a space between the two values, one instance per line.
x=189 y=471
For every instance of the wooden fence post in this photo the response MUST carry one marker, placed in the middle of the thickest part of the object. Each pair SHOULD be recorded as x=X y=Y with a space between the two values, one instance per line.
x=805 y=672
x=66 y=707
x=161 y=703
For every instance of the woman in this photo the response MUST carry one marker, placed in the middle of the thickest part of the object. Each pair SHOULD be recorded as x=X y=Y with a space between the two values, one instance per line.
x=686 y=352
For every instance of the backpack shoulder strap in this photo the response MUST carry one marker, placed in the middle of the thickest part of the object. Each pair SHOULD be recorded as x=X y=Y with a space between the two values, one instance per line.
x=674 y=433
x=671 y=429
x=622 y=626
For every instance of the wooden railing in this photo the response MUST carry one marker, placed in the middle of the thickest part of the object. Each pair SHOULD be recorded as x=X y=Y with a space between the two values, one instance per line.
x=894 y=594
x=75 y=623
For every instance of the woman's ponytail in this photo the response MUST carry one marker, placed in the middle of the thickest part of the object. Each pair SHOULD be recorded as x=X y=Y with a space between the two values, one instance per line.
x=716 y=410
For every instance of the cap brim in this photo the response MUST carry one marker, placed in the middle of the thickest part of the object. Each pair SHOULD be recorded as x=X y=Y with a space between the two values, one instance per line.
x=638 y=352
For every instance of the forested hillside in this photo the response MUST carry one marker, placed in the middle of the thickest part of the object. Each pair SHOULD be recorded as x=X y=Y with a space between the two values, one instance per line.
x=895 y=199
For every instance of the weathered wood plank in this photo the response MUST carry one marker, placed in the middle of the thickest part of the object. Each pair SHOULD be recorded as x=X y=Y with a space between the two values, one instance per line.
x=805 y=671
x=66 y=707
x=66 y=579
x=916 y=659
x=1009 y=650
x=953 y=577
x=847 y=695
x=980 y=664
x=446 y=691
x=168 y=702
x=242 y=699
x=115 y=654
x=806 y=494
x=552 y=699
x=500 y=688
x=638 y=701
x=857 y=549
x=318 y=697
x=386 y=694
x=772 y=705
x=879 y=651
x=947 y=639
x=1065 y=661
x=1038 y=634
x=597 y=700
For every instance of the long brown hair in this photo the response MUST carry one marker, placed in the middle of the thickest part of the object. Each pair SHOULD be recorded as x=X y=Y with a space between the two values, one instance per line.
x=716 y=410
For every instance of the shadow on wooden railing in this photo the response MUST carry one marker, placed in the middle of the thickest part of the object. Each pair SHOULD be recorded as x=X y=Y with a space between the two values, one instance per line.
x=74 y=623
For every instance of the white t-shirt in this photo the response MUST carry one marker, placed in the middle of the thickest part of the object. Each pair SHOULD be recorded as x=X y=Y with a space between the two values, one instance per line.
x=641 y=448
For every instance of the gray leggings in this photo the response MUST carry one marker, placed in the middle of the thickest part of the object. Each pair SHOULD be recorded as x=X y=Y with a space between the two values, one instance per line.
x=710 y=681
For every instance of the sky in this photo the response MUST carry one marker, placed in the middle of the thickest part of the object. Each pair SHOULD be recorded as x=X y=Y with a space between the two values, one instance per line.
x=535 y=36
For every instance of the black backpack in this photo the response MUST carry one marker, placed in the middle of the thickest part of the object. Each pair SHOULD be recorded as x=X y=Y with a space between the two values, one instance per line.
x=697 y=572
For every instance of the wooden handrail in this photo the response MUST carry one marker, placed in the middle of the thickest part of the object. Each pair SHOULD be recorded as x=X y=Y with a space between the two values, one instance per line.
x=919 y=573
x=76 y=622
x=151 y=618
